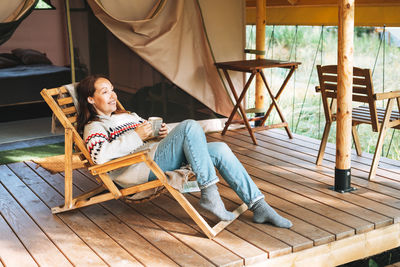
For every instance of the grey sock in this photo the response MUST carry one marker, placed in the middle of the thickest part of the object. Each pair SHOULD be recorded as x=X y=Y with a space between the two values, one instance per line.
x=211 y=201
x=264 y=213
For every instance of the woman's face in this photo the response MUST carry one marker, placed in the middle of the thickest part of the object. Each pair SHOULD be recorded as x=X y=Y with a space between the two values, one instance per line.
x=104 y=98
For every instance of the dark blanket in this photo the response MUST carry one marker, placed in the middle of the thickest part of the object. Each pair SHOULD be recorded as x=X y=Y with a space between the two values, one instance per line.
x=22 y=84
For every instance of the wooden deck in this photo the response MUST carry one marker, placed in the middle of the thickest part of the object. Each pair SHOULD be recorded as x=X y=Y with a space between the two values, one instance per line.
x=329 y=228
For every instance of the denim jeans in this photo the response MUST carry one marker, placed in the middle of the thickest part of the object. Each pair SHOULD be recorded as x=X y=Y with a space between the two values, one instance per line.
x=187 y=143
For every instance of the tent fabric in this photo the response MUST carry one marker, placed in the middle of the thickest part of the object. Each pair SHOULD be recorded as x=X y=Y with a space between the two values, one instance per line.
x=170 y=36
x=12 y=13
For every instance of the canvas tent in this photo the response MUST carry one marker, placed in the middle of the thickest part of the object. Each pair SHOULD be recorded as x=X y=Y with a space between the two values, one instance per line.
x=173 y=44
x=12 y=14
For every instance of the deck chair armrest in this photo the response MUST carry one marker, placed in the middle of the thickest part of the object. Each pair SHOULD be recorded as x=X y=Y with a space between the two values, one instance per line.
x=317 y=89
x=386 y=95
x=119 y=162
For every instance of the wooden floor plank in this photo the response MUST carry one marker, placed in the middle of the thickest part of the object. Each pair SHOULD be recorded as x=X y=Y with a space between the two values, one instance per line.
x=169 y=245
x=128 y=239
x=299 y=228
x=68 y=242
x=12 y=251
x=339 y=230
x=249 y=253
x=240 y=247
x=193 y=238
x=295 y=241
x=386 y=163
x=384 y=195
x=296 y=165
x=35 y=241
x=247 y=233
x=358 y=163
x=354 y=222
x=359 y=170
x=104 y=246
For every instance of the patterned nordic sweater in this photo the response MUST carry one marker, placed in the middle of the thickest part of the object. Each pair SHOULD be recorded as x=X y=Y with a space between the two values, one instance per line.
x=113 y=137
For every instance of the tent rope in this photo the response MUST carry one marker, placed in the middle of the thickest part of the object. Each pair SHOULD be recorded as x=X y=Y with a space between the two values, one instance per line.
x=294 y=75
x=292 y=47
x=309 y=79
x=320 y=99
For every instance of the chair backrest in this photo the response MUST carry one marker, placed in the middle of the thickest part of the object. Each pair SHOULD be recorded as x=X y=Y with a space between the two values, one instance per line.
x=363 y=90
x=62 y=104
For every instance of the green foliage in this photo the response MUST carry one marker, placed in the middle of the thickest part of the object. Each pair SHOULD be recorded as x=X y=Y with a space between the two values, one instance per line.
x=300 y=103
x=23 y=154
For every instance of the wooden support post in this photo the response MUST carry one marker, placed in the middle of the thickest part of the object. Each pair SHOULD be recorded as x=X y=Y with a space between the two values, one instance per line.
x=70 y=42
x=344 y=96
x=260 y=46
x=68 y=167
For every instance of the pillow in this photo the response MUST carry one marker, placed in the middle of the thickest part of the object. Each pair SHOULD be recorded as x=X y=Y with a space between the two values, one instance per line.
x=9 y=60
x=30 y=56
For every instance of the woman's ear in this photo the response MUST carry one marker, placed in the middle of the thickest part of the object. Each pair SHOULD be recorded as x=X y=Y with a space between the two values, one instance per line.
x=90 y=100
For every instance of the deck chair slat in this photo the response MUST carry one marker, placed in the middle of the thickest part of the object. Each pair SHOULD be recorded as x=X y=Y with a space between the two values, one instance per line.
x=73 y=119
x=69 y=110
x=65 y=101
x=56 y=91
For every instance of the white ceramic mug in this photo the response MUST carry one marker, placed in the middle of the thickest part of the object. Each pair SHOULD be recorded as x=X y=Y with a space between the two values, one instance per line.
x=155 y=124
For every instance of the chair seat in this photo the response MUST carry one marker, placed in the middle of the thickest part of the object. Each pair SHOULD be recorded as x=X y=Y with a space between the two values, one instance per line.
x=362 y=114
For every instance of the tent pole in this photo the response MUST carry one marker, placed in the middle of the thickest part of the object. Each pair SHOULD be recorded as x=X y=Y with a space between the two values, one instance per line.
x=70 y=42
x=260 y=46
x=344 y=96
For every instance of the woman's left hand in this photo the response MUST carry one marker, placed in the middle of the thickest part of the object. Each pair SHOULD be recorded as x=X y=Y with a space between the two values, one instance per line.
x=163 y=132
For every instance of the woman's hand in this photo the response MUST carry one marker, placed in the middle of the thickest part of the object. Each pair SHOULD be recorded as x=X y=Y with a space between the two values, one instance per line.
x=163 y=131
x=144 y=131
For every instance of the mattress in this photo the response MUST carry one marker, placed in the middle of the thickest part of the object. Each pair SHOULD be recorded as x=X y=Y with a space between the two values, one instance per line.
x=22 y=84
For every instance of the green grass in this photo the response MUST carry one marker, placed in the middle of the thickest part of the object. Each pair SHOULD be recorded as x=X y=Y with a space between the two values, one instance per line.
x=23 y=154
x=300 y=103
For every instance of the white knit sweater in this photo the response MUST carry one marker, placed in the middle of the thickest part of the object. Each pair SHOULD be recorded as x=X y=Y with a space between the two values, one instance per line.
x=113 y=137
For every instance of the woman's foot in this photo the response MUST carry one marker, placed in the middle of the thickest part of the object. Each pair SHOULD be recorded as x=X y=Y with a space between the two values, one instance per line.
x=264 y=213
x=211 y=201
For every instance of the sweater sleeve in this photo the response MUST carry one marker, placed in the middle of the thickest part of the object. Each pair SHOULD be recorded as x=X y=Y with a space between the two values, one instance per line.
x=103 y=147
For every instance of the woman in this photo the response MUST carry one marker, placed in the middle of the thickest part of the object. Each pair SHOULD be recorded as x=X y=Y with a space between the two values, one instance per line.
x=111 y=133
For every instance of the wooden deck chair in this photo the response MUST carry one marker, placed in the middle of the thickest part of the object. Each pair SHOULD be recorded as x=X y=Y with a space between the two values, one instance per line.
x=61 y=103
x=363 y=92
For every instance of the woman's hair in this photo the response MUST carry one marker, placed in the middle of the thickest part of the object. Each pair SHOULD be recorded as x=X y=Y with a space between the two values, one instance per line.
x=86 y=111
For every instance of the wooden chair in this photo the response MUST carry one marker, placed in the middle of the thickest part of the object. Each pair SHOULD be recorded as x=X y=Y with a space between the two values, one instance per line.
x=363 y=92
x=61 y=103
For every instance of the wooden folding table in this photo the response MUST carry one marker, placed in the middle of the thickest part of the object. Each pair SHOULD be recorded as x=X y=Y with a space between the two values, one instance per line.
x=254 y=67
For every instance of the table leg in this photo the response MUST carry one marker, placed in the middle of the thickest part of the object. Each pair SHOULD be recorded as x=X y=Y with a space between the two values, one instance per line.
x=239 y=106
x=274 y=103
x=292 y=69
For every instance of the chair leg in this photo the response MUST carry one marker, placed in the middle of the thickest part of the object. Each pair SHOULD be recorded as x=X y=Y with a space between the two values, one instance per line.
x=381 y=138
x=68 y=194
x=324 y=140
x=356 y=140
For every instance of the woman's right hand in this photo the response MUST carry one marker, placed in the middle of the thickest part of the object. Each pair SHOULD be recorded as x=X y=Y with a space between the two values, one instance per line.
x=144 y=131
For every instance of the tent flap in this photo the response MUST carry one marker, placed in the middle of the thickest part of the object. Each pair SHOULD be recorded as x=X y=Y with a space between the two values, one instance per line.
x=171 y=38
x=12 y=14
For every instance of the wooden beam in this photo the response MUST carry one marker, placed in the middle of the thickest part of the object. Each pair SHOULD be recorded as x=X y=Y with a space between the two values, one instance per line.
x=345 y=84
x=373 y=16
x=320 y=3
x=343 y=251
x=260 y=46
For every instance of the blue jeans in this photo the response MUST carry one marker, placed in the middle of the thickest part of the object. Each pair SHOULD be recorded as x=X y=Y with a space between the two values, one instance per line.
x=187 y=143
